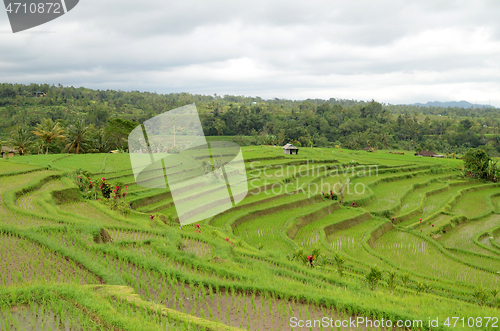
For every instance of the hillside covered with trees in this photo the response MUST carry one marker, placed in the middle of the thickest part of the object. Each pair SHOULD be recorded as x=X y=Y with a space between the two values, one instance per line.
x=52 y=119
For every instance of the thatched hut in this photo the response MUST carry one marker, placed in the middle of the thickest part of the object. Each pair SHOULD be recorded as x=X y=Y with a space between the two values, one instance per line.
x=290 y=149
x=7 y=152
x=425 y=153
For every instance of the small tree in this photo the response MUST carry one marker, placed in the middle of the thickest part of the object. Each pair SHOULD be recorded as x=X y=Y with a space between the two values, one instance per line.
x=77 y=136
x=405 y=280
x=418 y=149
x=423 y=287
x=105 y=188
x=494 y=293
x=21 y=140
x=373 y=277
x=49 y=131
x=391 y=279
x=478 y=164
x=316 y=252
x=480 y=295
x=339 y=261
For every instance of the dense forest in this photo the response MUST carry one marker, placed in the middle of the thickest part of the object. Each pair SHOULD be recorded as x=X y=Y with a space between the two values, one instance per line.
x=53 y=119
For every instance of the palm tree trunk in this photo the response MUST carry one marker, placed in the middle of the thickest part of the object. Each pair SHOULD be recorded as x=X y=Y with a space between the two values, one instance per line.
x=47 y=151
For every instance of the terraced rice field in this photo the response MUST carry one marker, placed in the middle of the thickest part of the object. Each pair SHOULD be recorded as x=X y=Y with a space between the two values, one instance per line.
x=266 y=229
x=389 y=194
x=87 y=211
x=310 y=234
x=414 y=254
x=77 y=264
x=474 y=203
x=413 y=200
x=24 y=261
x=461 y=236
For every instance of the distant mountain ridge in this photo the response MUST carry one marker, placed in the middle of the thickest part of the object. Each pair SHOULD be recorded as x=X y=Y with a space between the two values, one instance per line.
x=459 y=104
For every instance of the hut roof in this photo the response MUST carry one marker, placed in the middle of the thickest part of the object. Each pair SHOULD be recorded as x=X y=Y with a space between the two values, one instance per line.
x=7 y=149
x=368 y=148
x=290 y=146
x=427 y=153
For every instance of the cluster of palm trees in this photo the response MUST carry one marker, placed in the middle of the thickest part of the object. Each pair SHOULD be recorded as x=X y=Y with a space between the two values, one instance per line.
x=75 y=136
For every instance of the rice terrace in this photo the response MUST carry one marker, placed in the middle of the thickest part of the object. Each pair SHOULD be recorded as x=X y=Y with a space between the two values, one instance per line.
x=348 y=235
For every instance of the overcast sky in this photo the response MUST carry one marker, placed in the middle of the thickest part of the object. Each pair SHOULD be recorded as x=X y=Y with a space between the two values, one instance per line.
x=392 y=51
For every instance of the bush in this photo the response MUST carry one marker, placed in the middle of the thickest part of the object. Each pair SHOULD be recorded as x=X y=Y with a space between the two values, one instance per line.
x=105 y=188
x=373 y=277
x=479 y=165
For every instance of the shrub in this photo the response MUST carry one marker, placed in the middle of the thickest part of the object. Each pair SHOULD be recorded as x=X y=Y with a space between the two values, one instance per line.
x=480 y=295
x=105 y=188
x=373 y=277
x=391 y=279
x=339 y=261
x=478 y=164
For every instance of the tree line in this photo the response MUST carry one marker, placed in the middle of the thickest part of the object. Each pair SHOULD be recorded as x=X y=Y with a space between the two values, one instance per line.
x=77 y=137
x=104 y=117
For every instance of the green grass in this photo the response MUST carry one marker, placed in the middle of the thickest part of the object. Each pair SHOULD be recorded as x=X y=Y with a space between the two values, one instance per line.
x=412 y=200
x=309 y=235
x=349 y=243
x=266 y=229
x=34 y=160
x=228 y=280
x=7 y=167
x=388 y=195
x=415 y=254
x=461 y=235
x=475 y=203
x=436 y=202
x=221 y=219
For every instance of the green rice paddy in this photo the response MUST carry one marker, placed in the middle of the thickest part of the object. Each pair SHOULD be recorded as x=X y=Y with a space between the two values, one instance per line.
x=67 y=263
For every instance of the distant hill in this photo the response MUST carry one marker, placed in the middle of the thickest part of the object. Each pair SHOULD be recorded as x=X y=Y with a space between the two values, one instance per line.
x=459 y=104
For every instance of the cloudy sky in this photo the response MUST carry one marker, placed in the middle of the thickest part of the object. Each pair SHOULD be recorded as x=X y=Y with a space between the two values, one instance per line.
x=392 y=51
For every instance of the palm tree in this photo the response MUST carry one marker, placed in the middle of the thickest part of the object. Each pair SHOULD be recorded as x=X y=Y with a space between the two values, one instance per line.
x=21 y=140
x=38 y=146
x=77 y=133
x=100 y=143
x=48 y=131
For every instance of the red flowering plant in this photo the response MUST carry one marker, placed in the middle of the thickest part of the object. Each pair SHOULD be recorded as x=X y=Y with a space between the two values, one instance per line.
x=80 y=177
x=86 y=185
x=114 y=202
x=105 y=188
x=197 y=228
x=118 y=192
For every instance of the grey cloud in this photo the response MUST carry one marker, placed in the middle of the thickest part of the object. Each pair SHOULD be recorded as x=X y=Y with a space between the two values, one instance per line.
x=275 y=48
